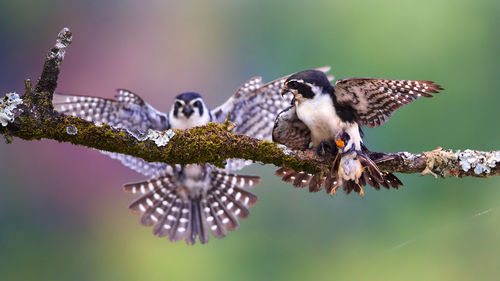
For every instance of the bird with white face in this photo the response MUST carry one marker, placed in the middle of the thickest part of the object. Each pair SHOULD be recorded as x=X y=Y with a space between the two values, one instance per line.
x=320 y=112
x=189 y=111
x=187 y=202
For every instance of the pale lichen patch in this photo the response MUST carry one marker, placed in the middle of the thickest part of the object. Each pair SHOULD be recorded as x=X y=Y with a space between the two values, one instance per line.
x=138 y=134
x=7 y=107
x=407 y=157
x=161 y=138
x=480 y=161
x=64 y=38
x=71 y=130
x=285 y=150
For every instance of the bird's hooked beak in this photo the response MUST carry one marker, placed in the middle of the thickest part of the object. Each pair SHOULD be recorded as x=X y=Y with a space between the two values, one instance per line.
x=284 y=90
x=187 y=110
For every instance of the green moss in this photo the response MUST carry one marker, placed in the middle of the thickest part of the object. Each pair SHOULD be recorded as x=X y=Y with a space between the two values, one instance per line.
x=212 y=143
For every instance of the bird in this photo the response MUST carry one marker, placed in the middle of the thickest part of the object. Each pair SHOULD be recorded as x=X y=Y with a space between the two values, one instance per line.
x=352 y=169
x=187 y=202
x=348 y=167
x=320 y=111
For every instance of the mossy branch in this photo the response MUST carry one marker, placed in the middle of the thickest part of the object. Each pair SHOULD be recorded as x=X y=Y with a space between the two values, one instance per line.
x=35 y=118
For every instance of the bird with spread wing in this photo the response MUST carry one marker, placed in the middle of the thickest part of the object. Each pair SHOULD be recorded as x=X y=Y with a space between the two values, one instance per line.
x=329 y=119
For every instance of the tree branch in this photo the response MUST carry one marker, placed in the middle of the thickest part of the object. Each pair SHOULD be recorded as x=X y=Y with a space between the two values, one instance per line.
x=33 y=117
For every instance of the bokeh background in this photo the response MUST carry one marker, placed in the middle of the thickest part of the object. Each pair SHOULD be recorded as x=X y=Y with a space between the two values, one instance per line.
x=63 y=214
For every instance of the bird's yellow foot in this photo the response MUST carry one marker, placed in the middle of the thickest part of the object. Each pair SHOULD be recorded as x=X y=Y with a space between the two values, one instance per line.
x=334 y=190
x=362 y=192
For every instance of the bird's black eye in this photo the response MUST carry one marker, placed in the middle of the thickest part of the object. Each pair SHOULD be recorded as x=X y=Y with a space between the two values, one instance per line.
x=345 y=137
x=199 y=105
x=177 y=105
x=292 y=84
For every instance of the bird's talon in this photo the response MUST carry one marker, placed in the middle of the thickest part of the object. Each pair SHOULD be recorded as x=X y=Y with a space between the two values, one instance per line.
x=334 y=190
x=361 y=192
x=323 y=148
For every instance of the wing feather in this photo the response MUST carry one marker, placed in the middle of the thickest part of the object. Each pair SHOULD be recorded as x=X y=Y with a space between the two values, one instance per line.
x=374 y=100
x=128 y=110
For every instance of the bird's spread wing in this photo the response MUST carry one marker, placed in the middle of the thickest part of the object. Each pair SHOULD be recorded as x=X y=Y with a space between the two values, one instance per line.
x=127 y=111
x=289 y=130
x=374 y=100
x=254 y=108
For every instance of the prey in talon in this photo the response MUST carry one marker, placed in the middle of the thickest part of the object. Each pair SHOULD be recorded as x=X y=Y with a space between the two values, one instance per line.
x=346 y=167
x=353 y=169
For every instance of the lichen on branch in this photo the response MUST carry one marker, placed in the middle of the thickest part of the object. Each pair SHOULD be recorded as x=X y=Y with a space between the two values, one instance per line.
x=8 y=106
x=33 y=118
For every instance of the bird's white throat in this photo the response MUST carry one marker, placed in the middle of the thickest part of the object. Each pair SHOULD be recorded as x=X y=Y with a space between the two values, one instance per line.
x=321 y=118
x=181 y=122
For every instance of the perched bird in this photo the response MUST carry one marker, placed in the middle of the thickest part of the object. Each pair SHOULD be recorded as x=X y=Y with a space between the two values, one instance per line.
x=320 y=111
x=186 y=202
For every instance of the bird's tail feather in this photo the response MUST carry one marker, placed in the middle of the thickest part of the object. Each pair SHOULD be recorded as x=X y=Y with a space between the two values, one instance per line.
x=371 y=175
x=376 y=178
x=180 y=215
x=300 y=179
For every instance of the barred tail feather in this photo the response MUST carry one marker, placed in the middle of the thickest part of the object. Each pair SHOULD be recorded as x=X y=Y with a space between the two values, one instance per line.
x=179 y=226
x=300 y=179
x=316 y=184
x=229 y=179
x=227 y=201
x=392 y=180
x=230 y=192
x=180 y=215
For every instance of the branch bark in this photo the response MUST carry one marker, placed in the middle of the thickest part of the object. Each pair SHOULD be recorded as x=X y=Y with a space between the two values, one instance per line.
x=35 y=119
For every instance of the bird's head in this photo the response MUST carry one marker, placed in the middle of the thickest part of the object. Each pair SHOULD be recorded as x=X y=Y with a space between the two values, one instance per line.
x=344 y=142
x=306 y=84
x=189 y=110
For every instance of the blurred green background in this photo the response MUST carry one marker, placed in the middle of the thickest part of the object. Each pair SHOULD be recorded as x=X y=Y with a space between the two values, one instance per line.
x=63 y=215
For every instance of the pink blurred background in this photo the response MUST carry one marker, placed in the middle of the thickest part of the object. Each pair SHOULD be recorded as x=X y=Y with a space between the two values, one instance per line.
x=63 y=214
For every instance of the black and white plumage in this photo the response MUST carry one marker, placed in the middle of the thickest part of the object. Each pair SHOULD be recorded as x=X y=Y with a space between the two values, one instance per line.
x=185 y=202
x=127 y=110
x=320 y=111
x=189 y=110
x=192 y=203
